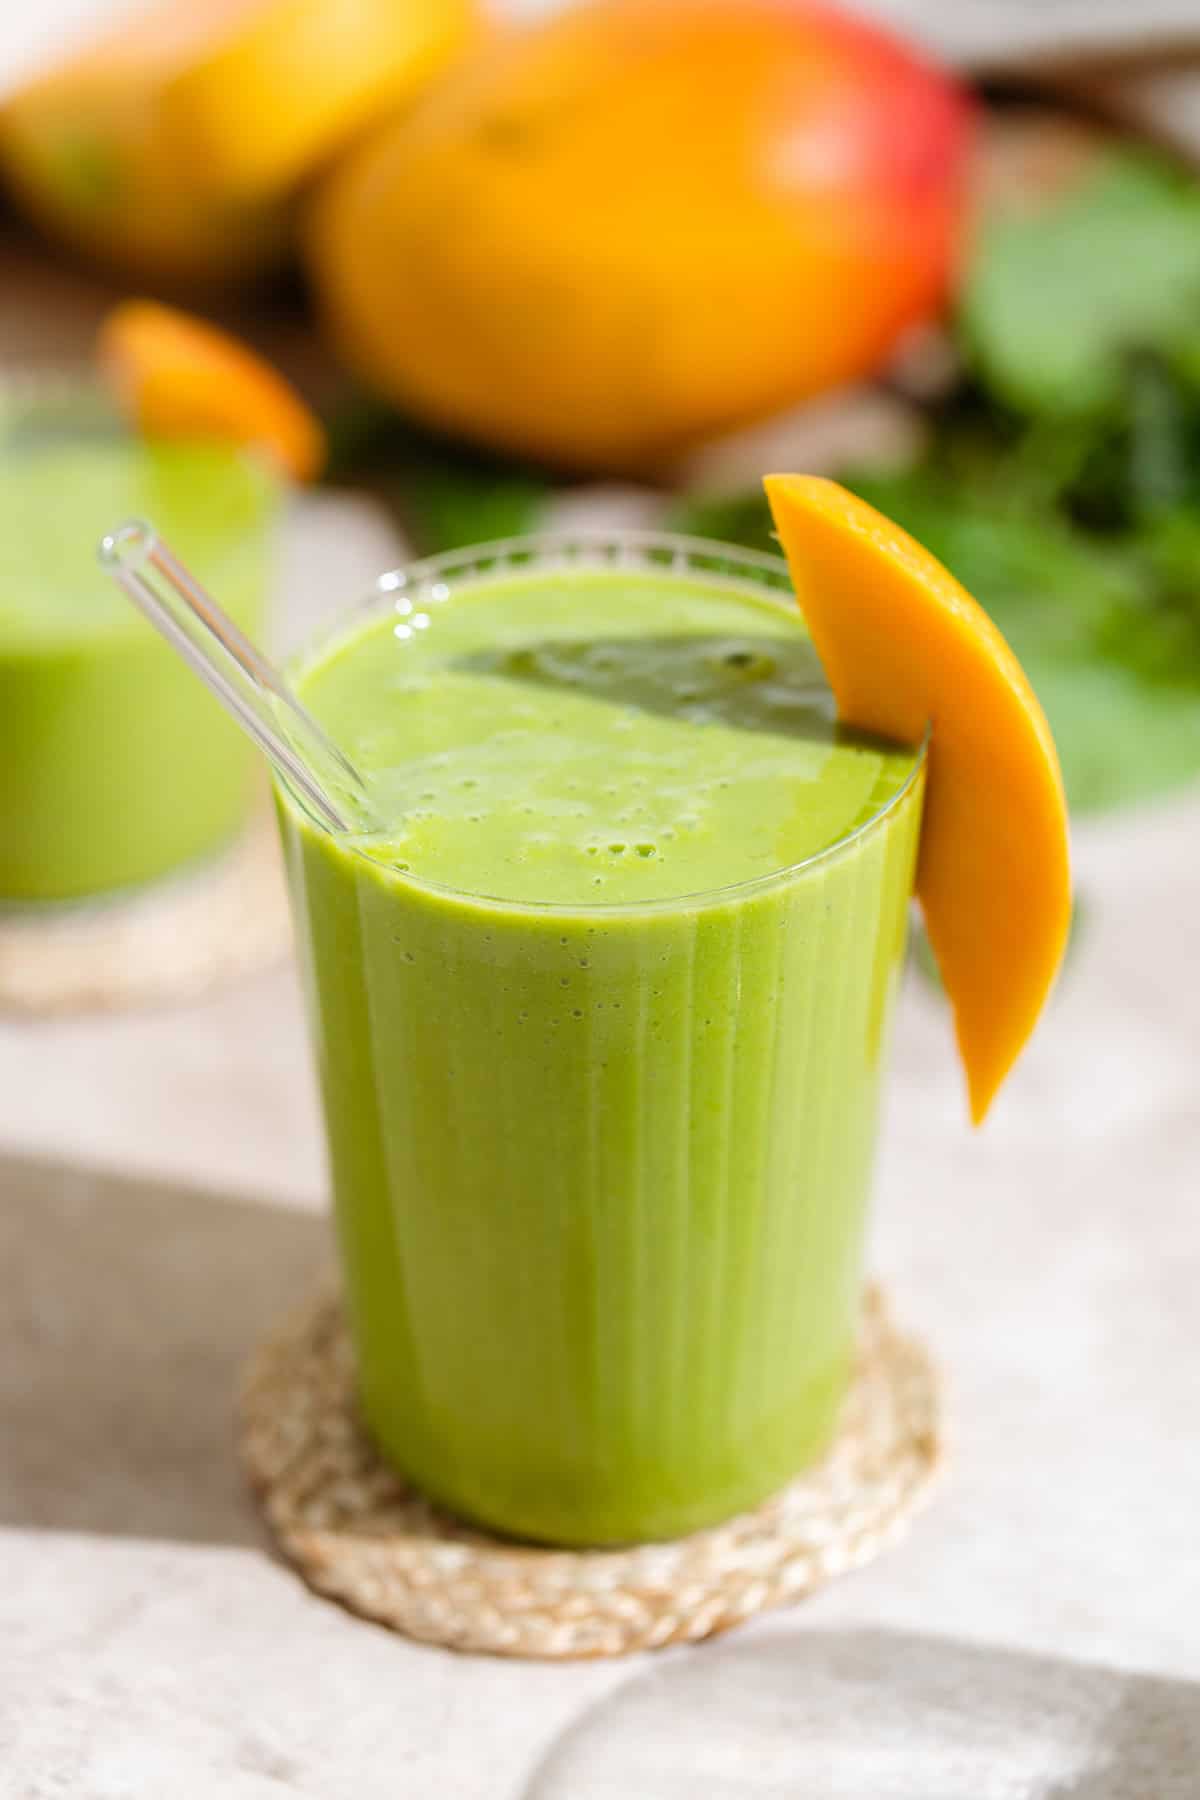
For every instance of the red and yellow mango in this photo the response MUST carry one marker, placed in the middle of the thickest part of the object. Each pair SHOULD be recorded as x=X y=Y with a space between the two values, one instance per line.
x=642 y=221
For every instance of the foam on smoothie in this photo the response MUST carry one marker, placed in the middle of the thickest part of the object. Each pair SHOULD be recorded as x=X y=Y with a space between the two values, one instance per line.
x=607 y=736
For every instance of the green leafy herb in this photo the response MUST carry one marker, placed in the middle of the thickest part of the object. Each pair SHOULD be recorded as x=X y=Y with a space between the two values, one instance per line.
x=449 y=504
x=442 y=494
x=742 y=519
x=1057 y=298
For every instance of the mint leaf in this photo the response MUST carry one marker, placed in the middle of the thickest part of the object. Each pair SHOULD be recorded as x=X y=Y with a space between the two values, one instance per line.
x=442 y=494
x=742 y=519
x=447 y=505
x=1055 y=300
x=1121 y=739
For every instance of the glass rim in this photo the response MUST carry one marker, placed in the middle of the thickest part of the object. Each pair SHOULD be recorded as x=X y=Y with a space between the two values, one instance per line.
x=611 y=548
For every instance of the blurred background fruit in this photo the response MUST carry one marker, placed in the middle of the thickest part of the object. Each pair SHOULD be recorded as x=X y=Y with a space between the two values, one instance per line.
x=682 y=242
x=176 y=376
x=173 y=146
x=645 y=221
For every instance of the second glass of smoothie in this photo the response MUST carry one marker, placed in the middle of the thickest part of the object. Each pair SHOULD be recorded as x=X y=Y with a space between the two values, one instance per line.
x=601 y=1019
x=116 y=768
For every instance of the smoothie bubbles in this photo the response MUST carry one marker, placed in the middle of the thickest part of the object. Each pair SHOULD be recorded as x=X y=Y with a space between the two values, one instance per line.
x=600 y=974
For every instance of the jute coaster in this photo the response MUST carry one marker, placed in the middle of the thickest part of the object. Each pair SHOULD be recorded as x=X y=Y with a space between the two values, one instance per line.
x=360 y=1535
x=169 y=941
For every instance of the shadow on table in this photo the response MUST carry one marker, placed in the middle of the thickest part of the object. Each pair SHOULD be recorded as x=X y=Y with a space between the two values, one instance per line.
x=126 y=1310
x=878 y=1715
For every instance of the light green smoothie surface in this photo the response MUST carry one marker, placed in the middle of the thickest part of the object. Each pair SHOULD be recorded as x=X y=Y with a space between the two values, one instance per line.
x=603 y=737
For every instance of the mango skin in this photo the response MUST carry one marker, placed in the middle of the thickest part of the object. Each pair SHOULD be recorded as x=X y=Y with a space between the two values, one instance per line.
x=172 y=148
x=642 y=222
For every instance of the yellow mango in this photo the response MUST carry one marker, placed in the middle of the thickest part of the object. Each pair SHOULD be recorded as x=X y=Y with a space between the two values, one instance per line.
x=174 y=145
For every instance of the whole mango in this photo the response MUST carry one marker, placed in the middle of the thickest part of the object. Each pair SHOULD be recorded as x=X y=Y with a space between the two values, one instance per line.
x=641 y=222
x=173 y=146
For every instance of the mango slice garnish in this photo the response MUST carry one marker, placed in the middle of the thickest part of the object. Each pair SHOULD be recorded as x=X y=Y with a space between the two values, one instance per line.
x=904 y=647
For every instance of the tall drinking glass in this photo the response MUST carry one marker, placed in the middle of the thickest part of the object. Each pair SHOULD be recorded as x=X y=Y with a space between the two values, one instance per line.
x=601 y=1156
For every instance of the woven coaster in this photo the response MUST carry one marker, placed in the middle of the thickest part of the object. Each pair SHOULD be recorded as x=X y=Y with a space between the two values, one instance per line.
x=360 y=1535
x=169 y=941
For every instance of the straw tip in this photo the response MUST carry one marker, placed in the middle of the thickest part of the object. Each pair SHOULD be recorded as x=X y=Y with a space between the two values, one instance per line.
x=129 y=546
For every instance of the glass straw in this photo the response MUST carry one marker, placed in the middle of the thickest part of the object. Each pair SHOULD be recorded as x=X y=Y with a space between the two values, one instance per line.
x=247 y=685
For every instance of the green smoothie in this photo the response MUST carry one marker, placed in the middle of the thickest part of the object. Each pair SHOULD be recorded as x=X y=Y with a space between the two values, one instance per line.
x=601 y=1021
x=115 y=765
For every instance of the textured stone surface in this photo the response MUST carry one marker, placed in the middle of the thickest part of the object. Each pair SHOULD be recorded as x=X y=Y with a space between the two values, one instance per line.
x=1034 y=1639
